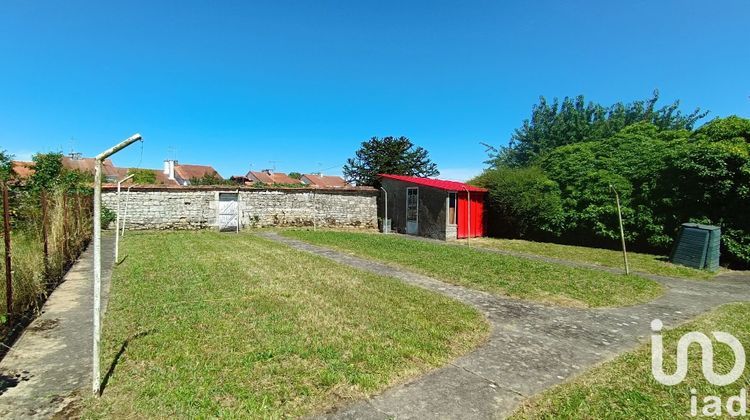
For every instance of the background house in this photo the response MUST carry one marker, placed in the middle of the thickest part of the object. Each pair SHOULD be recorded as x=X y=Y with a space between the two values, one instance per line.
x=182 y=174
x=324 y=181
x=73 y=162
x=433 y=208
x=268 y=176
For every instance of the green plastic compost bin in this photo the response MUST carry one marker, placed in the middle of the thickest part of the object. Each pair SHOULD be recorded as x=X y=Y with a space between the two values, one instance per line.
x=697 y=246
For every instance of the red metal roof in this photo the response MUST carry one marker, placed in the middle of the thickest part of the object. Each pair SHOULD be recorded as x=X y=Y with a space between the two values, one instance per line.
x=435 y=183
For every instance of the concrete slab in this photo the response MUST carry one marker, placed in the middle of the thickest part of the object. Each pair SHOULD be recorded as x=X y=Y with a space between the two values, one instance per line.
x=45 y=369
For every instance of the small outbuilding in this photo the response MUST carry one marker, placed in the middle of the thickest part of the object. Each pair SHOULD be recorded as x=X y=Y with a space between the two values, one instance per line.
x=433 y=208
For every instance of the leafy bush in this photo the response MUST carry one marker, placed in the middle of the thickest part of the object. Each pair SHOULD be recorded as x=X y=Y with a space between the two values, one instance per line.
x=522 y=202
x=211 y=179
x=107 y=217
x=143 y=176
x=665 y=172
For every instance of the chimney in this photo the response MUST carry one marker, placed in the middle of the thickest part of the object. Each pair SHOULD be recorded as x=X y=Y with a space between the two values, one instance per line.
x=169 y=168
x=268 y=171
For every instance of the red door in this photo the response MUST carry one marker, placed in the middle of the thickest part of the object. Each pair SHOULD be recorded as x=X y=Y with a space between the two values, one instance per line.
x=470 y=218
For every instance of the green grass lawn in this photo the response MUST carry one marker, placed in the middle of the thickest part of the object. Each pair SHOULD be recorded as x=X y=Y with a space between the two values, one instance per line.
x=226 y=325
x=625 y=388
x=495 y=273
x=647 y=263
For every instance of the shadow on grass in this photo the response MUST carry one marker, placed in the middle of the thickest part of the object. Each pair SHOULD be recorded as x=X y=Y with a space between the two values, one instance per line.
x=117 y=357
x=122 y=260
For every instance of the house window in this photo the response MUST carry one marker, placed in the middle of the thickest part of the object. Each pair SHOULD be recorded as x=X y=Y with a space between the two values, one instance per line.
x=452 y=208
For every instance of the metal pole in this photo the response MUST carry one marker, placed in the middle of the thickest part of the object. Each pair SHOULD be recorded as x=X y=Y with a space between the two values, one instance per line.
x=96 y=374
x=117 y=221
x=622 y=230
x=315 y=213
x=468 y=214
x=8 y=270
x=385 y=215
x=125 y=216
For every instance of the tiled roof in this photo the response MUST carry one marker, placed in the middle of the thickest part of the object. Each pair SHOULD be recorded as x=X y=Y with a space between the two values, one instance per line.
x=435 y=183
x=22 y=169
x=272 y=178
x=325 y=181
x=25 y=169
x=87 y=165
x=188 y=172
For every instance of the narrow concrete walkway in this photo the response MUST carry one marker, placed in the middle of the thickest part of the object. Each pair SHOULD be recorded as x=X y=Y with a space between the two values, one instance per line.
x=531 y=346
x=51 y=362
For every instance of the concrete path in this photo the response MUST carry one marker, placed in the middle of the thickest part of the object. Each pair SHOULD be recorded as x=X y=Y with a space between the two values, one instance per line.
x=51 y=362
x=531 y=346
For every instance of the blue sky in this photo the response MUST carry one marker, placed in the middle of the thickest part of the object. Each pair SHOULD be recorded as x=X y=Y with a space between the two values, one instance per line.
x=301 y=84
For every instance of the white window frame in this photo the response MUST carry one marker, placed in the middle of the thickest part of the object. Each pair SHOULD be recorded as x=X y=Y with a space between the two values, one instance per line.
x=407 y=204
x=448 y=208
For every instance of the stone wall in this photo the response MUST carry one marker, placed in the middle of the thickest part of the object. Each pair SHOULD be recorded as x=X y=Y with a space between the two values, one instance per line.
x=197 y=208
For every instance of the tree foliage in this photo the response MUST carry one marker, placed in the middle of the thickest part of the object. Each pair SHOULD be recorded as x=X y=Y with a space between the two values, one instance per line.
x=295 y=175
x=143 y=176
x=666 y=173
x=6 y=166
x=210 y=179
x=524 y=202
x=391 y=155
x=50 y=174
x=573 y=120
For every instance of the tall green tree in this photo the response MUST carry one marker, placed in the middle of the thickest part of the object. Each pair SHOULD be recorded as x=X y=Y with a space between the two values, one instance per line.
x=572 y=120
x=389 y=155
x=6 y=166
x=47 y=170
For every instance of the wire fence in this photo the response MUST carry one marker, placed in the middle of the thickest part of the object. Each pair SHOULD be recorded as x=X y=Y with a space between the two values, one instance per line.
x=43 y=233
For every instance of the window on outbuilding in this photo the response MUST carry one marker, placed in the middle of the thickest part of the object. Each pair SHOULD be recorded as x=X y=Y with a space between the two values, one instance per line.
x=452 y=208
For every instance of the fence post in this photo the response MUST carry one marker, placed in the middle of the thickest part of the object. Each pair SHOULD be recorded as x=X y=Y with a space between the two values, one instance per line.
x=65 y=227
x=45 y=233
x=8 y=270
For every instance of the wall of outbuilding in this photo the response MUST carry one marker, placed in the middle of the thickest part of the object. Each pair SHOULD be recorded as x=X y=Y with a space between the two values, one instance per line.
x=432 y=221
x=196 y=208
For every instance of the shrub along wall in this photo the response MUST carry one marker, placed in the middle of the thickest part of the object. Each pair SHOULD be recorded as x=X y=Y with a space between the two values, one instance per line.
x=197 y=207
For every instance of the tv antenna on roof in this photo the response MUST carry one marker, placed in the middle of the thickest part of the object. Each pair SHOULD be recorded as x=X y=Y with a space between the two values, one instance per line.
x=489 y=147
x=273 y=164
x=172 y=152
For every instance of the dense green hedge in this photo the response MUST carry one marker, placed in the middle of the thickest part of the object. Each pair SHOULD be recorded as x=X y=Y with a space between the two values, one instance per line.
x=666 y=175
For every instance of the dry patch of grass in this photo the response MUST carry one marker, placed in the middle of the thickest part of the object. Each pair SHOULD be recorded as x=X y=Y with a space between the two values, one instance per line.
x=501 y=274
x=226 y=325
x=625 y=387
